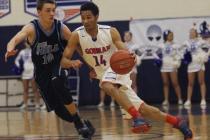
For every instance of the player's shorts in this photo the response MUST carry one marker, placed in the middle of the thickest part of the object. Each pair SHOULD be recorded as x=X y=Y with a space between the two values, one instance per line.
x=53 y=95
x=47 y=92
x=125 y=82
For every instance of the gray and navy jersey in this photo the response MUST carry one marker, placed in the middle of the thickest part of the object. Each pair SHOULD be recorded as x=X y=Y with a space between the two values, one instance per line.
x=47 y=49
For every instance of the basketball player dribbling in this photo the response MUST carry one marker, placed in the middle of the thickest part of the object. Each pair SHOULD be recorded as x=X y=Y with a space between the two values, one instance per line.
x=96 y=44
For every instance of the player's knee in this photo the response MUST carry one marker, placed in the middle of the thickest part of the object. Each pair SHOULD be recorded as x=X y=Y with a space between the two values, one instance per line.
x=110 y=91
x=108 y=88
x=67 y=100
x=61 y=91
x=58 y=82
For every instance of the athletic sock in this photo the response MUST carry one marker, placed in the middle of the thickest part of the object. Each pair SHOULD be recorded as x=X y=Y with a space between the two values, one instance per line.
x=171 y=119
x=134 y=112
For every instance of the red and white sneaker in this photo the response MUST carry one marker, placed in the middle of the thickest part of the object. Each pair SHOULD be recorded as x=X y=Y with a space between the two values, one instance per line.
x=140 y=126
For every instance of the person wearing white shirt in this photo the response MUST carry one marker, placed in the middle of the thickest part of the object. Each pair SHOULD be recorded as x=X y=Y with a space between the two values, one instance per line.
x=197 y=66
x=171 y=60
x=27 y=75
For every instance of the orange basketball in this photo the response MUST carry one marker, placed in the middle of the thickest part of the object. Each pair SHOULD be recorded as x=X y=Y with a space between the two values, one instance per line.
x=122 y=62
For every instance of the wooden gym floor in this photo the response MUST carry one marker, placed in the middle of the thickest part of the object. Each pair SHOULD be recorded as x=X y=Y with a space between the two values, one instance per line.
x=41 y=125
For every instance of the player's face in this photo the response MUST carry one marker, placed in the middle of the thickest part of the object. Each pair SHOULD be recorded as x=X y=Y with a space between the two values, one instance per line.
x=170 y=37
x=89 y=20
x=127 y=37
x=193 y=34
x=47 y=12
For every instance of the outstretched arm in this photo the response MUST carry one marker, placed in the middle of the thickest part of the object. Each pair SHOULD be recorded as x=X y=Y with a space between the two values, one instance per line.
x=66 y=61
x=18 y=38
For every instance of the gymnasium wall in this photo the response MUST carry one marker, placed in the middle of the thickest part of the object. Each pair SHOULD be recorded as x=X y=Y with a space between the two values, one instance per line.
x=111 y=10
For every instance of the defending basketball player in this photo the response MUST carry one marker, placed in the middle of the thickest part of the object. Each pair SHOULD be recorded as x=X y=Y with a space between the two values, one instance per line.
x=96 y=44
x=46 y=37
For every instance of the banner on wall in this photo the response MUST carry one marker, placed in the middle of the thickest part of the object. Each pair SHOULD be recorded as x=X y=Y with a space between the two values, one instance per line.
x=66 y=9
x=5 y=8
x=148 y=33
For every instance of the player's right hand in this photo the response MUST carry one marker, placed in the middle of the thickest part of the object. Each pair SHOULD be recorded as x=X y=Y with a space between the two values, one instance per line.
x=76 y=64
x=9 y=54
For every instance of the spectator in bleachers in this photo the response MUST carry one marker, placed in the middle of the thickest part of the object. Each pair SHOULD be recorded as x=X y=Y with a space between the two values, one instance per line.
x=27 y=75
x=170 y=63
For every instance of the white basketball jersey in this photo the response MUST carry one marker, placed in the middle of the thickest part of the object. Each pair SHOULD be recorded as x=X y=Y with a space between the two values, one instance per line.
x=97 y=53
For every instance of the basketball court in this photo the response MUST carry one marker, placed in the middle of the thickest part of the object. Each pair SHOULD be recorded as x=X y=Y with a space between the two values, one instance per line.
x=33 y=124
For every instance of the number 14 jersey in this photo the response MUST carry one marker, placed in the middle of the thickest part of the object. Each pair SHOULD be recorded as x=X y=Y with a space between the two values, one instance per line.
x=97 y=51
